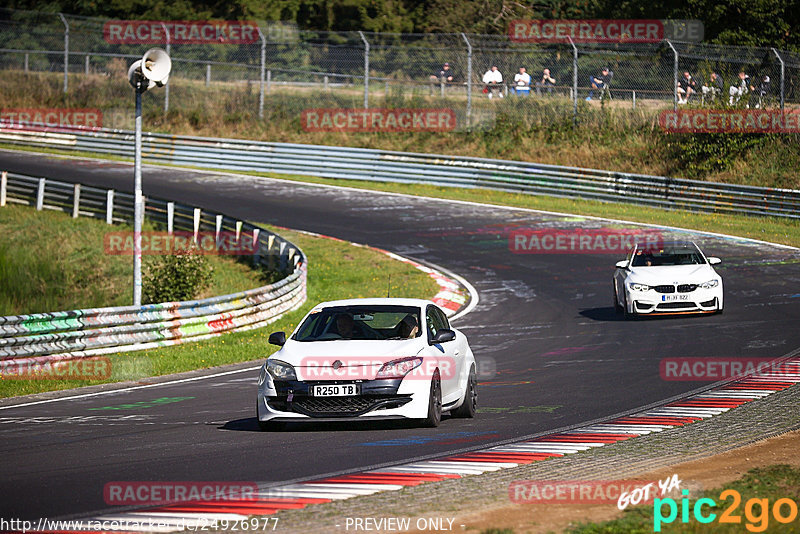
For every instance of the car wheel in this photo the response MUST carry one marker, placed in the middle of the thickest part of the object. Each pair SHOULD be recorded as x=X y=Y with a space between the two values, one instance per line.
x=628 y=315
x=617 y=307
x=470 y=404
x=434 y=403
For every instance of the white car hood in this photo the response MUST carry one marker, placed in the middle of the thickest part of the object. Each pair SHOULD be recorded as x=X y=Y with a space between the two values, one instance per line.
x=368 y=355
x=671 y=274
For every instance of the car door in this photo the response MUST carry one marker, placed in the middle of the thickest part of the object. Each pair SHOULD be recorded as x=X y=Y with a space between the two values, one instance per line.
x=447 y=354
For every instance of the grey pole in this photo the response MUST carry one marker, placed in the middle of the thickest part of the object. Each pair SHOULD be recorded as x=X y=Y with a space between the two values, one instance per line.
x=138 y=214
x=366 y=69
x=66 y=51
x=574 y=80
x=469 y=79
x=166 y=87
x=674 y=77
x=263 y=66
x=783 y=69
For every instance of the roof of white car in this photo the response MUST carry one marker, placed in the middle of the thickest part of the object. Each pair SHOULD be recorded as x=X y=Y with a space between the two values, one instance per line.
x=375 y=302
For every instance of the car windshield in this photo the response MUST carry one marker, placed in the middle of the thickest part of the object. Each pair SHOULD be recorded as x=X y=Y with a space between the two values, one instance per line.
x=360 y=323
x=668 y=254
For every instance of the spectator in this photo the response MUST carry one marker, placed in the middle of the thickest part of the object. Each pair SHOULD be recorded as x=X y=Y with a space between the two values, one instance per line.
x=686 y=87
x=522 y=82
x=713 y=88
x=599 y=82
x=446 y=75
x=547 y=81
x=762 y=90
x=741 y=88
x=493 y=81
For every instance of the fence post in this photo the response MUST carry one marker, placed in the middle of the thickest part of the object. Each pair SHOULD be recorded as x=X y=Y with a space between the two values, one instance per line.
x=170 y=217
x=574 y=81
x=366 y=69
x=169 y=53
x=86 y=66
x=208 y=74
x=196 y=223
x=469 y=79
x=325 y=83
x=783 y=69
x=26 y=61
x=633 y=94
x=269 y=80
x=76 y=200
x=66 y=51
x=674 y=77
x=261 y=74
x=3 y=187
x=40 y=195
x=110 y=206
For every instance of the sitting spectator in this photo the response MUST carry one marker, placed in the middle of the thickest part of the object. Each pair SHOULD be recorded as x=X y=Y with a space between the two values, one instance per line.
x=600 y=82
x=522 y=82
x=446 y=75
x=493 y=81
x=713 y=88
x=741 y=88
x=547 y=81
x=686 y=87
x=761 y=91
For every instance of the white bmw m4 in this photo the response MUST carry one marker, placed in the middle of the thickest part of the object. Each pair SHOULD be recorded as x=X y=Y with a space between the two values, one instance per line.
x=668 y=278
x=368 y=359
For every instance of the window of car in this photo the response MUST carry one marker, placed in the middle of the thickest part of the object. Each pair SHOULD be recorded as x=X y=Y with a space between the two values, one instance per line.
x=667 y=255
x=359 y=322
x=435 y=320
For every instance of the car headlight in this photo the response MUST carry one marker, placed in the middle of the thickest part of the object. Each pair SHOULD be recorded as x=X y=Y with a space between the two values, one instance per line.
x=280 y=370
x=638 y=287
x=709 y=284
x=398 y=368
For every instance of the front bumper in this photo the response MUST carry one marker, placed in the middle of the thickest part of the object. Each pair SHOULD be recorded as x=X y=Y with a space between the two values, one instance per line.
x=654 y=303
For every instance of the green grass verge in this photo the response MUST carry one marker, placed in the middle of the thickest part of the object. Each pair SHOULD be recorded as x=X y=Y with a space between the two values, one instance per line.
x=50 y=262
x=771 y=483
x=337 y=270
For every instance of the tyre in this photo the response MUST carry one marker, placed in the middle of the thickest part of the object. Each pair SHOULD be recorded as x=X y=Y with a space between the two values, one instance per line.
x=434 y=403
x=628 y=315
x=617 y=307
x=470 y=404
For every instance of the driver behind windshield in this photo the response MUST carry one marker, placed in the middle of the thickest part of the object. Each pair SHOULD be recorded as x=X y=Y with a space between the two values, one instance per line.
x=345 y=325
x=408 y=327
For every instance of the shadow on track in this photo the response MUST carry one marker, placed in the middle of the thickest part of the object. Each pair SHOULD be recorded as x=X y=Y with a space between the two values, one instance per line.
x=250 y=424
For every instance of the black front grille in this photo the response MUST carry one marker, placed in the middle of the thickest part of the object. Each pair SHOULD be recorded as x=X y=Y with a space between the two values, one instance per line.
x=338 y=406
x=665 y=289
x=676 y=305
x=686 y=288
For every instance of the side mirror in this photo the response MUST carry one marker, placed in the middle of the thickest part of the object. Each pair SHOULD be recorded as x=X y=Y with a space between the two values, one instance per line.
x=277 y=338
x=622 y=264
x=443 y=336
x=713 y=261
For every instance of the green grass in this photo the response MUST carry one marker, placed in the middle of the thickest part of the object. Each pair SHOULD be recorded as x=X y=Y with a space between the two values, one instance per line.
x=337 y=270
x=52 y=262
x=771 y=483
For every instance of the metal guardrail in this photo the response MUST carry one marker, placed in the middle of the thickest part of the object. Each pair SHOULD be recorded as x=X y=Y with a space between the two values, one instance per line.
x=431 y=169
x=69 y=334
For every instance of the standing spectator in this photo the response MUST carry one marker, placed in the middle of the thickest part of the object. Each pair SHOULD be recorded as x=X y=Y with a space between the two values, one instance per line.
x=713 y=88
x=761 y=91
x=599 y=82
x=493 y=81
x=686 y=87
x=522 y=82
x=547 y=81
x=741 y=88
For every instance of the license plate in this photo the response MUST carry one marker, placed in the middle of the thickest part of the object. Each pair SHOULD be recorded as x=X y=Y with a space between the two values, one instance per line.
x=668 y=298
x=335 y=390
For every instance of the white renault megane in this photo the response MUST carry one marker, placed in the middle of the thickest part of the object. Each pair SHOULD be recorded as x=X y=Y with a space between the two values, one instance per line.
x=368 y=359
x=667 y=278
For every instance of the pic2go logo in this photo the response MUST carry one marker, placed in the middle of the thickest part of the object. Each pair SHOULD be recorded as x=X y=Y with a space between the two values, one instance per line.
x=756 y=511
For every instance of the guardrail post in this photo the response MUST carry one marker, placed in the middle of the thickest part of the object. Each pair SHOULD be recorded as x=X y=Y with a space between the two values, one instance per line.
x=366 y=69
x=40 y=195
x=674 y=77
x=217 y=230
x=76 y=200
x=170 y=217
x=783 y=70
x=196 y=223
x=261 y=74
x=270 y=255
x=282 y=255
x=3 y=187
x=574 y=81
x=110 y=206
x=238 y=230
x=66 y=51
x=256 y=247
x=469 y=79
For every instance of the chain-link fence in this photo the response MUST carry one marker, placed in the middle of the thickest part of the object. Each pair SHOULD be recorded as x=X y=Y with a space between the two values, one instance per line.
x=363 y=69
